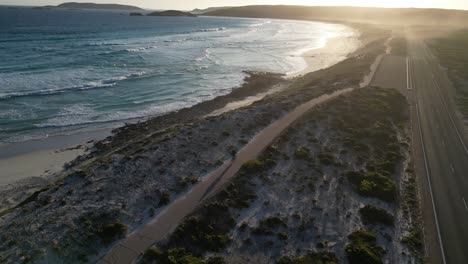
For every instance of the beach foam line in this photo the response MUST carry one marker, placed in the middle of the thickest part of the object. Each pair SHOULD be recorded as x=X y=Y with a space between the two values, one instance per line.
x=87 y=86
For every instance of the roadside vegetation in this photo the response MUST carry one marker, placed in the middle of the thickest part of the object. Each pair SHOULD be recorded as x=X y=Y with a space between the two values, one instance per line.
x=374 y=215
x=349 y=152
x=363 y=248
x=450 y=49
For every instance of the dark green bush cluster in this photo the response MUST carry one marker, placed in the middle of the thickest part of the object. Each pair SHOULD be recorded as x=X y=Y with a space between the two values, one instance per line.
x=326 y=159
x=164 y=199
x=374 y=215
x=267 y=225
x=103 y=227
x=112 y=231
x=177 y=256
x=266 y=161
x=236 y=195
x=363 y=248
x=252 y=166
x=373 y=184
x=207 y=229
x=325 y=257
x=200 y=235
x=388 y=164
x=302 y=153
x=414 y=239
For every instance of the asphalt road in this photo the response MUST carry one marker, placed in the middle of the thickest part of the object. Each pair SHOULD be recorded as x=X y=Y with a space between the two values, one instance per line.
x=440 y=148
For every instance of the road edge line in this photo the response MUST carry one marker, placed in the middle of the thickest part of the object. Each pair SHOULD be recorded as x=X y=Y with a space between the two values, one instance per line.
x=430 y=185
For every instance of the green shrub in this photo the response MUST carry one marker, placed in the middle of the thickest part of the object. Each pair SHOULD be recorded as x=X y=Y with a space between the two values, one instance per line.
x=152 y=253
x=379 y=186
x=164 y=199
x=272 y=222
x=215 y=260
x=355 y=177
x=413 y=240
x=283 y=236
x=325 y=257
x=110 y=232
x=171 y=256
x=326 y=159
x=252 y=166
x=302 y=153
x=363 y=248
x=375 y=215
x=200 y=234
x=267 y=225
x=373 y=185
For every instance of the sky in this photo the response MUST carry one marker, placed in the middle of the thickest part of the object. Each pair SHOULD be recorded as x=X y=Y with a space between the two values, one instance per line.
x=191 y=4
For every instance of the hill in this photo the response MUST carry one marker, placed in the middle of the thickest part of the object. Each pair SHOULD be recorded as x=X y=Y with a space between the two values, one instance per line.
x=198 y=11
x=391 y=16
x=73 y=5
x=172 y=13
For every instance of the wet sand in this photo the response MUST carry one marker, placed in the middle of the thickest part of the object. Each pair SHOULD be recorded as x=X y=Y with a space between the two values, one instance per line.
x=325 y=57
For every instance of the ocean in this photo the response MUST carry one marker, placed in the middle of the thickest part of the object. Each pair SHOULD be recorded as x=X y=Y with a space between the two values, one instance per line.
x=63 y=71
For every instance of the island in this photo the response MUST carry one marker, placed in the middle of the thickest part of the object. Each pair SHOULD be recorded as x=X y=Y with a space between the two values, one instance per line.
x=73 y=5
x=172 y=13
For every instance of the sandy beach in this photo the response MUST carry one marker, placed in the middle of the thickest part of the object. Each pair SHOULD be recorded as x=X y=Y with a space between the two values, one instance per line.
x=321 y=58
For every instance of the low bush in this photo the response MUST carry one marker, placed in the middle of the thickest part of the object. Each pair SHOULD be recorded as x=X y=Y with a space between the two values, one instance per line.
x=373 y=185
x=326 y=159
x=302 y=153
x=413 y=240
x=363 y=248
x=200 y=234
x=215 y=260
x=171 y=256
x=164 y=199
x=283 y=236
x=253 y=166
x=267 y=225
x=372 y=215
x=325 y=257
x=110 y=232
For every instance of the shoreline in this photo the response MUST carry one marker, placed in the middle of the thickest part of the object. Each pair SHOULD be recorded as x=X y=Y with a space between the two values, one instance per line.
x=46 y=157
x=129 y=178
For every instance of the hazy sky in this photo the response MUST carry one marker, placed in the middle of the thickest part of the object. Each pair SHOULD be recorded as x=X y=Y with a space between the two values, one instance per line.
x=191 y=4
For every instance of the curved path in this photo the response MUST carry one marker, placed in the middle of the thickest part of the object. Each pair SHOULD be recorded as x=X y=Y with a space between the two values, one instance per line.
x=130 y=248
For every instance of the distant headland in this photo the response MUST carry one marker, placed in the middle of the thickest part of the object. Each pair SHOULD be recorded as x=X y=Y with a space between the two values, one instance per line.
x=172 y=13
x=73 y=5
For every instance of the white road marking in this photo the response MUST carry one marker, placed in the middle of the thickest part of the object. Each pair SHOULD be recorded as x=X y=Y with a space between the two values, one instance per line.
x=450 y=116
x=407 y=73
x=451 y=167
x=464 y=202
x=430 y=185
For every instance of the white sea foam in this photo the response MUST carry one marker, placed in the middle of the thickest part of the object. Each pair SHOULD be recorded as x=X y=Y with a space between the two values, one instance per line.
x=85 y=86
x=182 y=69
